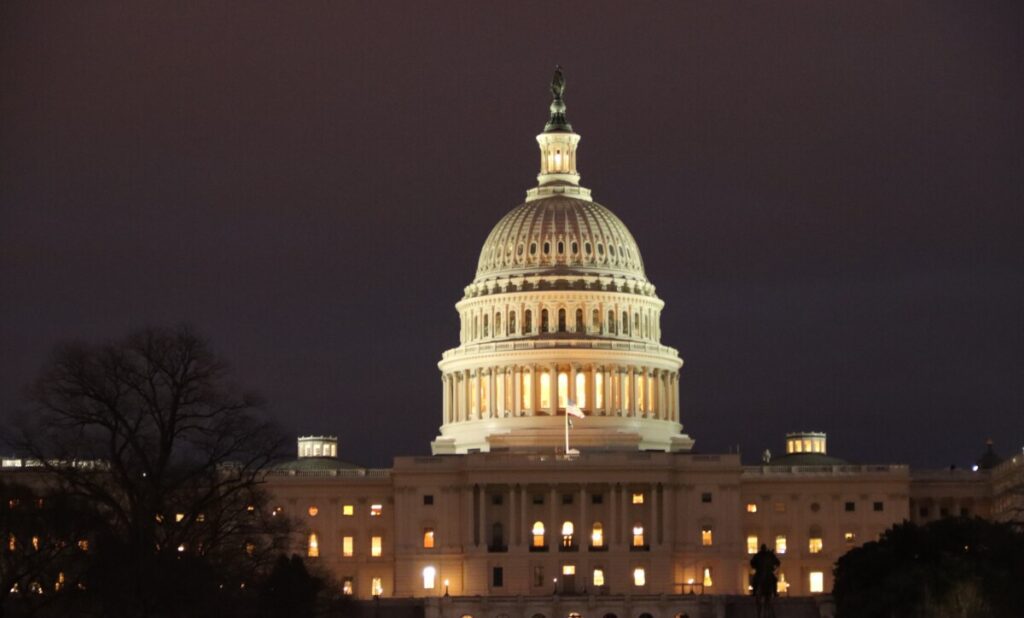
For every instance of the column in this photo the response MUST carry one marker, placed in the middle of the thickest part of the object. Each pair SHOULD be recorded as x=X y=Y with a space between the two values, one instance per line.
x=523 y=522
x=655 y=517
x=534 y=390
x=606 y=379
x=675 y=396
x=492 y=375
x=517 y=390
x=499 y=395
x=572 y=384
x=631 y=406
x=656 y=393
x=552 y=390
x=591 y=384
x=482 y=522
x=444 y=399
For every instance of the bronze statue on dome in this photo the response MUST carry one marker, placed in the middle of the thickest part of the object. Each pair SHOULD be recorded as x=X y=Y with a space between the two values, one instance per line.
x=557 y=83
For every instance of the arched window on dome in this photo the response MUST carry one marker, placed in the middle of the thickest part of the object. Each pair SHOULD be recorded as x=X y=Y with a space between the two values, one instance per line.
x=581 y=325
x=596 y=321
x=561 y=320
x=636 y=324
x=485 y=325
x=527 y=322
x=563 y=389
x=533 y=249
x=611 y=322
x=547 y=248
x=586 y=248
x=561 y=247
x=497 y=325
x=476 y=326
x=544 y=320
x=512 y=323
x=575 y=247
x=625 y=323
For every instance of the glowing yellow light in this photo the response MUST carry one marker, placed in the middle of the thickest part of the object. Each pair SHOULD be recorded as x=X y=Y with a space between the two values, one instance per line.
x=752 y=544
x=638 y=498
x=347 y=546
x=814 y=545
x=376 y=546
x=706 y=536
x=751 y=507
x=817 y=581
x=313 y=550
x=428 y=538
x=348 y=510
x=639 y=577
x=598 y=577
x=707 y=577
x=313 y=511
x=429 y=575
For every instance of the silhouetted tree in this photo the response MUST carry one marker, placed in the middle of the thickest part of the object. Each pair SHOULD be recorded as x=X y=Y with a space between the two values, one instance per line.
x=963 y=568
x=290 y=591
x=150 y=431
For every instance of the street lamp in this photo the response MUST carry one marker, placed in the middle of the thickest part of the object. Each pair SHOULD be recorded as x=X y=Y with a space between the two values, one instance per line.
x=554 y=582
x=446 y=595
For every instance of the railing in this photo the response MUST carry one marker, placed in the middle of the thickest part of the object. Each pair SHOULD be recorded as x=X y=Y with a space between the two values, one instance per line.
x=840 y=469
x=547 y=344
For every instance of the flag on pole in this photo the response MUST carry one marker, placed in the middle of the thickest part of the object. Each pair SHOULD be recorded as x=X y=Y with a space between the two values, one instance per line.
x=574 y=409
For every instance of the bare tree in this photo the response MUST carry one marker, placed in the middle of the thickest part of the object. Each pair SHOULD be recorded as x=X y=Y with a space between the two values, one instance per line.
x=152 y=433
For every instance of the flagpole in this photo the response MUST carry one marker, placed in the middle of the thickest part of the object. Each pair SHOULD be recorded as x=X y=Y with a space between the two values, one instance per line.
x=566 y=432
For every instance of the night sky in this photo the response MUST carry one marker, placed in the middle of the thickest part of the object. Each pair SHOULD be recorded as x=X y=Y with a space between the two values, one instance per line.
x=828 y=196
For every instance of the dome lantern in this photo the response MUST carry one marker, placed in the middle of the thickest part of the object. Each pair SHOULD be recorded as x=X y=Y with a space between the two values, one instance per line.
x=558 y=143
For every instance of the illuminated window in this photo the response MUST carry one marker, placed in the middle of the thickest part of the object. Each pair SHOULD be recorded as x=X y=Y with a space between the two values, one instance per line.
x=538 y=534
x=313 y=511
x=639 y=577
x=376 y=510
x=346 y=586
x=752 y=544
x=35 y=543
x=348 y=510
x=707 y=577
x=817 y=581
x=568 y=569
x=638 y=535
x=347 y=546
x=581 y=390
x=313 y=550
x=814 y=544
x=567 y=533
x=563 y=390
x=849 y=537
x=179 y=517
x=250 y=549
x=780 y=544
x=545 y=390
x=375 y=546
x=638 y=498
x=598 y=577
x=706 y=538
x=782 y=586
x=376 y=587
x=598 y=390
x=83 y=544
x=751 y=507
x=429 y=577
x=428 y=538
x=12 y=543
x=597 y=535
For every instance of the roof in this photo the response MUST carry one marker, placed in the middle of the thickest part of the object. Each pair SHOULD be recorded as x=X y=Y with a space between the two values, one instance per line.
x=308 y=464
x=807 y=459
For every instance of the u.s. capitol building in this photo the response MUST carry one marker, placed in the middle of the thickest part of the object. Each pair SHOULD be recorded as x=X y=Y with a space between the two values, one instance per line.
x=502 y=520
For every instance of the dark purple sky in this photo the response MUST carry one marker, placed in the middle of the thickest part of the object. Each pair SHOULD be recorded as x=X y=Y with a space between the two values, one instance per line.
x=829 y=197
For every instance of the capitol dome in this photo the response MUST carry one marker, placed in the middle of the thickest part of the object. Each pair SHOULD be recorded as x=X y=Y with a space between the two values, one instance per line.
x=560 y=320
x=560 y=235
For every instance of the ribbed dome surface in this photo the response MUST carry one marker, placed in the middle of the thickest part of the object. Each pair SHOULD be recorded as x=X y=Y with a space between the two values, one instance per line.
x=559 y=235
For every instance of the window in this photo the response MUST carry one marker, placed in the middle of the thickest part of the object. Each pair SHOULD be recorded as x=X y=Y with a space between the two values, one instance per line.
x=538 y=576
x=346 y=586
x=598 y=577
x=581 y=325
x=638 y=498
x=428 y=500
x=544 y=320
x=751 y=507
x=429 y=577
x=780 y=543
x=538 y=534
x=575 y=247
x=376 y=587
x=878 y=507
x=496 y=499
x=348 y=510
x=545 y=390
x=567 y=533
x=563 y=390
x=312 y=511
x=814 y=545
x=568 y=569
x=780 y=507
x=581 y=390
x=706 y=497
x=815 y=507
x=527 y=391
x=527 y=321
x=625 y=323
x=313 y=546
x=561 y=321
x=639 y=577
x=597 y=535
x=538 y=498
x=782 y=586
x=597 y=498
x=850 y=538
x=611 y=322
x=566 y=498
x=850 y=507
x=706 y=538
x=547 y=248
x=512 y=323
x=485 y=325
x=497 y=577
x=707 y=578
x=347 y=546
x=638 y=535
x=376 y=510
x=428 y=538
x=752 y=544
x=376 y=546
x=817 y=581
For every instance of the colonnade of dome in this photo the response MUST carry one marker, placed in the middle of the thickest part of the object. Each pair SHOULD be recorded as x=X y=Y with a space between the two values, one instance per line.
x=560 y=312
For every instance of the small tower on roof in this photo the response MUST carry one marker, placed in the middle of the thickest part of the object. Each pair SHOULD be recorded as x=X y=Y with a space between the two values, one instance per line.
x=558 y=143
x=318 y=446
